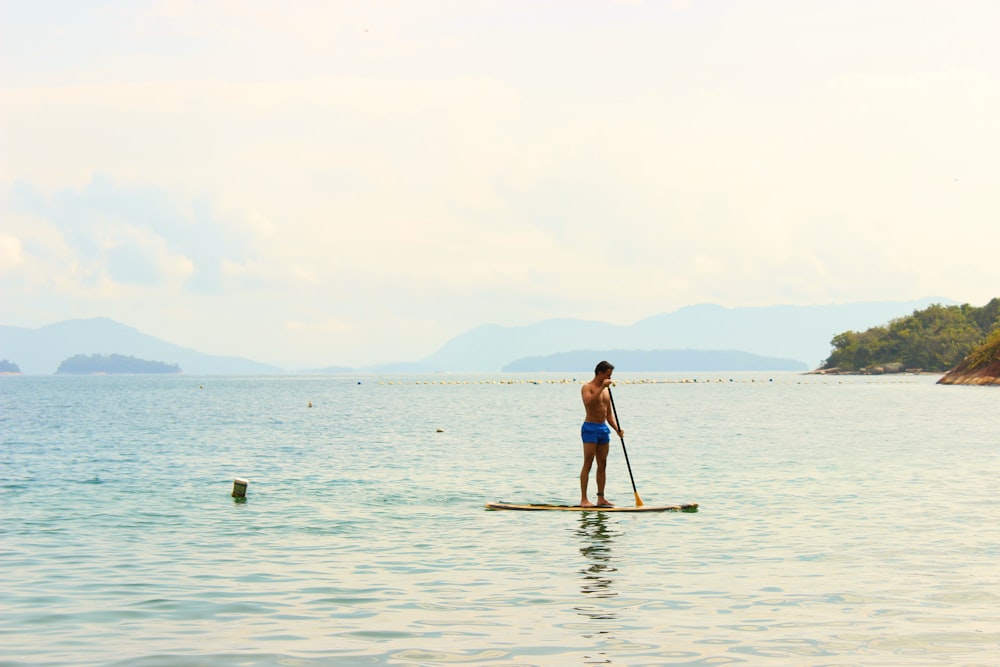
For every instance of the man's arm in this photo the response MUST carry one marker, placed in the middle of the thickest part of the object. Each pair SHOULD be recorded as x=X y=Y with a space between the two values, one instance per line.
x=612 y=422
x=591 y=394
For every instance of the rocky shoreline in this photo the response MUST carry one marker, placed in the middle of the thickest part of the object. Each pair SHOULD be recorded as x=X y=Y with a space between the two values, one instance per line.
x=884 y=369
x=980 y=367
x=984 y=375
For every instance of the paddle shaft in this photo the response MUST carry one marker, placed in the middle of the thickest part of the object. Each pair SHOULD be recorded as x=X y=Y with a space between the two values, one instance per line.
x=638 y=500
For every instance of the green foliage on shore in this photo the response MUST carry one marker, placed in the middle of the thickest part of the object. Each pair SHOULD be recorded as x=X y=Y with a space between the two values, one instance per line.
x=8 y=367
x=82 y=364
x=934 y=339
x=984 y=355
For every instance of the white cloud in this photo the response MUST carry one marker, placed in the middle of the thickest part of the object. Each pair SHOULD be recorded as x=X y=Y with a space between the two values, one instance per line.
x=10 y=253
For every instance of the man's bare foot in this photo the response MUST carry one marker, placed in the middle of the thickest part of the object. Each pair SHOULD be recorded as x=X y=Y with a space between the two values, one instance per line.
x=604 y=502
x=586 y=503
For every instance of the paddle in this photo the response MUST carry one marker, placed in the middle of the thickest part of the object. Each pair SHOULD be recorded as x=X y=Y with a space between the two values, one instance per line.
x=638 y=500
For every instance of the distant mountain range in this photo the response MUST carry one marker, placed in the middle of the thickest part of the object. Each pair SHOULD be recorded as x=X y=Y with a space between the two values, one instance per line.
x=799 y=333
x=40 y=351
x=701 y=337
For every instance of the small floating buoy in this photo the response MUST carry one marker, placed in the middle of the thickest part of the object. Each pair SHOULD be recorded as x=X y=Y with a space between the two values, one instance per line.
x=240 y=488
x=440 y=430
x=310 y=404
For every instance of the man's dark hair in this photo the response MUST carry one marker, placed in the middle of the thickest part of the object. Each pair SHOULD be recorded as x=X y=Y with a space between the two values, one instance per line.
x=603 y=367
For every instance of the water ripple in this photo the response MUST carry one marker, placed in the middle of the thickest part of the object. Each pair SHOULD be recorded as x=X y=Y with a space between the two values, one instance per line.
x=831 y=530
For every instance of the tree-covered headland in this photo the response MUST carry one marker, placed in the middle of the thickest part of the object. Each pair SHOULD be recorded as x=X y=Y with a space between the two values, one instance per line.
x=934 y=339
x=83 y=364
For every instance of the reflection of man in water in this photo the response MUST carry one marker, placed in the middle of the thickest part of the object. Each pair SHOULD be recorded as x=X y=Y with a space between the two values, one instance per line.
x=597 y=573
x=598 y=550
x=594 y=432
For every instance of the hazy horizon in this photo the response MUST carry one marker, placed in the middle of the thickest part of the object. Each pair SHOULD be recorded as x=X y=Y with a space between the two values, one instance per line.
x=357 y=183
x=786 y=331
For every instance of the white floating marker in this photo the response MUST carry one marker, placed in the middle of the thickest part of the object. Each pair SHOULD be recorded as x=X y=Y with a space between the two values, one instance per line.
x=240 y=488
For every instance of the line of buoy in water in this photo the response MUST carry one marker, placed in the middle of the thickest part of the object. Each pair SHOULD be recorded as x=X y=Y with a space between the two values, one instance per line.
x=828 y=380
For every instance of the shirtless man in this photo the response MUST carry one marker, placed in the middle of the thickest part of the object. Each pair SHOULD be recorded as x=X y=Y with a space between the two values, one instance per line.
x=595 y=433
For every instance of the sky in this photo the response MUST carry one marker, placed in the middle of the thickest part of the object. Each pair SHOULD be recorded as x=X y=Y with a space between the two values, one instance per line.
x=344 y=182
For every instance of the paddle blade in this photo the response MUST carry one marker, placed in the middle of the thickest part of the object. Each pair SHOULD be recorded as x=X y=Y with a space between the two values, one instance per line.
x=638 y=500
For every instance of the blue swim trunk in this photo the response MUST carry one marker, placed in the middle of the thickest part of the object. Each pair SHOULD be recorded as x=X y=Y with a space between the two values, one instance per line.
x=599 y=433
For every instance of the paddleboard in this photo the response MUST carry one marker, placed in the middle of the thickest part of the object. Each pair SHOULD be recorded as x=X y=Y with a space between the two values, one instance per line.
x=687 y=507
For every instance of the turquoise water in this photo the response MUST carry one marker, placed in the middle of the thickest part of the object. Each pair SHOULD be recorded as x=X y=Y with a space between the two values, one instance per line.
x=842 y=521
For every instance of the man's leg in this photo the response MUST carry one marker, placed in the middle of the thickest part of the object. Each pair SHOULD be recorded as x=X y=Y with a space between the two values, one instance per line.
x=601 y=454
x=589 y=452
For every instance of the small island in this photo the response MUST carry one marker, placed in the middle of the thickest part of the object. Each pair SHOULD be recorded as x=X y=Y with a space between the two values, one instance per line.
x=9 y=368
x=979 y=367
x=114 y=364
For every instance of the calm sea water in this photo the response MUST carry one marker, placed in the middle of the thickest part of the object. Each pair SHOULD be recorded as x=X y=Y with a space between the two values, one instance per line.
x=842 y=521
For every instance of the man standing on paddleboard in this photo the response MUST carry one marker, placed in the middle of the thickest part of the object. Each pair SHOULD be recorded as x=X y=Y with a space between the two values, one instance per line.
x=595 y=433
